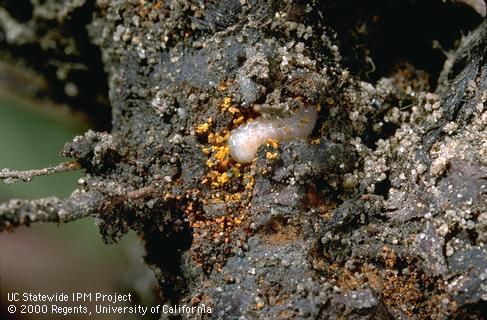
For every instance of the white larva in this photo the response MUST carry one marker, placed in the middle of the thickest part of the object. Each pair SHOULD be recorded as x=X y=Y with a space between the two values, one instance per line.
x=246 y=139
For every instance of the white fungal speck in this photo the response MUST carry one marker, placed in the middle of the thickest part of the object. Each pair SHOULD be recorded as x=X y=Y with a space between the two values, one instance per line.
x=246 y=139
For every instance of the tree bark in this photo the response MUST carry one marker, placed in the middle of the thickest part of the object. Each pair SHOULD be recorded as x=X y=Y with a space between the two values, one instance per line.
x=379 y=214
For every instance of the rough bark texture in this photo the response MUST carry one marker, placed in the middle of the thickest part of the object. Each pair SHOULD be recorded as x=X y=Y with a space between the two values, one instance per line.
x=380 y=214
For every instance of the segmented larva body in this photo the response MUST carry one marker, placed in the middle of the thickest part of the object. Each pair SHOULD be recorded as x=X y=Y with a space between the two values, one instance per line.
x=246 y=139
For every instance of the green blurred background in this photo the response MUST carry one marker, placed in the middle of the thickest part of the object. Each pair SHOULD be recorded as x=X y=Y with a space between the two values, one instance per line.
x=46 y=257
